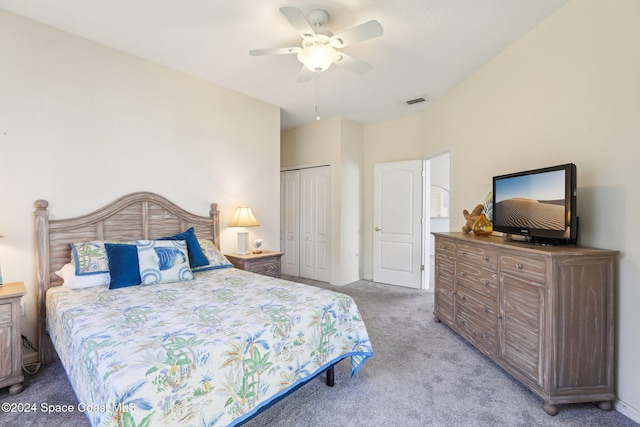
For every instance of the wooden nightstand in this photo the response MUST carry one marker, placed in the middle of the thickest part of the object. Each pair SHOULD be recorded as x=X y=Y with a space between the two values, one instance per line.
x=11 y=337
x=267 y=263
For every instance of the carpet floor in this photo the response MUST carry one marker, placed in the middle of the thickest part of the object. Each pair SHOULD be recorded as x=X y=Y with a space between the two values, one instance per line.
x=422 y=374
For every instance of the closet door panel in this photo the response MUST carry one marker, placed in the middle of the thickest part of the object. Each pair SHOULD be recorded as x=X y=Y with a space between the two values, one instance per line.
x=307 y=222
x=290 y=222
x=322 y=223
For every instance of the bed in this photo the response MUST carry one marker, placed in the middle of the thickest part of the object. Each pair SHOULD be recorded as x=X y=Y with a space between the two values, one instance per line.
x=213 y=348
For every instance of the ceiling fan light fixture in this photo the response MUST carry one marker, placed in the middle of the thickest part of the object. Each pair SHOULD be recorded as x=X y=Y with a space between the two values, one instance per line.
x=318 y=57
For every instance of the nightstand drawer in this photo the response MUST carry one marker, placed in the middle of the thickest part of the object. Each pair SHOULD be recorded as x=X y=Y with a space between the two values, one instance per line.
x=268 y=268
x=10 y=337
x=265 y=263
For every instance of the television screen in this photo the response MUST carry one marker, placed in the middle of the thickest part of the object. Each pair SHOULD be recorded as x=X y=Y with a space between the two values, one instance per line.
x=538 y=204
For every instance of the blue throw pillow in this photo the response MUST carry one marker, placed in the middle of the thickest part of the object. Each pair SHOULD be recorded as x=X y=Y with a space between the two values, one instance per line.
x=123 y=265
x=197 y=258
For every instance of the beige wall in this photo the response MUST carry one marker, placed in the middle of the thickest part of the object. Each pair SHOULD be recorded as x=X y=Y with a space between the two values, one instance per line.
x=351 y=201
x=569 y=91
x=337 y=142
x=82 y=124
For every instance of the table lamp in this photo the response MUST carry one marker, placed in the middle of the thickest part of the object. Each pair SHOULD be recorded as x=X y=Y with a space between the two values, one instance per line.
x=243 y=218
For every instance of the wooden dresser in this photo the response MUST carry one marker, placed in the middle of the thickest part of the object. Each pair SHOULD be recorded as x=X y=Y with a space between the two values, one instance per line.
x=266 y=262
x=11 y=337
x=545 y=314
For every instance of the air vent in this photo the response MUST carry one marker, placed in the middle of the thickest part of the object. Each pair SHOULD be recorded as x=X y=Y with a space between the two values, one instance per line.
x=415 y=101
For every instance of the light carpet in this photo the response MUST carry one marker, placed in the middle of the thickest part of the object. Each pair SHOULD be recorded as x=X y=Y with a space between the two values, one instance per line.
x=422 y=374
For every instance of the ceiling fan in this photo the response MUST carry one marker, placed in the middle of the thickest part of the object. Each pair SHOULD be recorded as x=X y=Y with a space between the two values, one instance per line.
x=320 y=46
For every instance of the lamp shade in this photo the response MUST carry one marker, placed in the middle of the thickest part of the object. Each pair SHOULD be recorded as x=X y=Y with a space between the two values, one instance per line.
x=318 y=57
x=243 y=218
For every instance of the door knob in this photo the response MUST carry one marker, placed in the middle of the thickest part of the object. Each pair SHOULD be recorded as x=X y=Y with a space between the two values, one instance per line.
x=378 y=228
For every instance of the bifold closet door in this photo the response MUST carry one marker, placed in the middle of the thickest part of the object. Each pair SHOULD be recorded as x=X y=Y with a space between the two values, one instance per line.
x=305 y=222
x=314 y=223
x=290 y=222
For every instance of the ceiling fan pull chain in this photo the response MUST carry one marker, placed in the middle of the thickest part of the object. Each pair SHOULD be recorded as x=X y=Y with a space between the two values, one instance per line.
x=316 y=83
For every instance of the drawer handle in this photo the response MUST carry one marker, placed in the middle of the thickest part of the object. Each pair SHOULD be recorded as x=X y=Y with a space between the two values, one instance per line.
x=463 y=253
x=486 y=337
x=519 y=266
x=463 y=273
x=485 y=309
x=484 y=282
x=486 y=258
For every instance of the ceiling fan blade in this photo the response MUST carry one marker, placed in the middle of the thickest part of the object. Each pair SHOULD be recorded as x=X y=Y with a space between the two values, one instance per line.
x=275 y=51
x=359 y=33
x=297 y=19
x=356 y=65
x=306 y=75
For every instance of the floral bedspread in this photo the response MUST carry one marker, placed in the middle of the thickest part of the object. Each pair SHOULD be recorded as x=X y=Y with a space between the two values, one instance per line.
x=206 y=352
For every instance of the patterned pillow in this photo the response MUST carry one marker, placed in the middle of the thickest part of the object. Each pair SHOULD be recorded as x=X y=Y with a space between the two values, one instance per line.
x=89 y=258
x=163 y=261
x=215 y=257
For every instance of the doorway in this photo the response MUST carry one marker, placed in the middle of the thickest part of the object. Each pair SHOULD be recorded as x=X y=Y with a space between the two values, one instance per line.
x=436 y=201
x=411 y=200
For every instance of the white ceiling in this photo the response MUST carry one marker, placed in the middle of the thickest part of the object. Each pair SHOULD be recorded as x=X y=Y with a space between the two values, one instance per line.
x=428 y=46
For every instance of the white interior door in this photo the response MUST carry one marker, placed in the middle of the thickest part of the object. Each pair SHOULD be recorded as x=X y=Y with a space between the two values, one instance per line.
x=397 y=221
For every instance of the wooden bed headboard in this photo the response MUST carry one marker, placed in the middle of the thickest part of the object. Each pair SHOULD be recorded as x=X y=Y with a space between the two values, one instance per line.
x=135 y=216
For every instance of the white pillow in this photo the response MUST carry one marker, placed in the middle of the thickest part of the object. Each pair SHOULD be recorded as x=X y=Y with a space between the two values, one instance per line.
x=68 y=275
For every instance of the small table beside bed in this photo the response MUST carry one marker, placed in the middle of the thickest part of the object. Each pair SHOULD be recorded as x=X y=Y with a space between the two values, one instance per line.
x=154 y=326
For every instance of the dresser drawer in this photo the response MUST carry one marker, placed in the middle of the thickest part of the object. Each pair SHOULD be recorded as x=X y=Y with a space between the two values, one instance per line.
x=445 y=247
x=478 y=322
x=485 y=308
x=478 y=279
x=527 y=268
x=479 y=256
x=5 y=313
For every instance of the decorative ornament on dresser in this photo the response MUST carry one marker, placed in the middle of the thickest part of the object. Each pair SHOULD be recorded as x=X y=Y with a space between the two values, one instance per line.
x=482 y=226
x=488 y=206
x=471 y=217
x=257 y=244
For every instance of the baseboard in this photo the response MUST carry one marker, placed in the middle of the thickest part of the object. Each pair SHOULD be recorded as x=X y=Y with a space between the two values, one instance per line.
x=627 y=411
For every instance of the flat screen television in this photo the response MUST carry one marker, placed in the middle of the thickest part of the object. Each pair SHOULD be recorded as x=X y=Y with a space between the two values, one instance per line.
x=537 y=206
